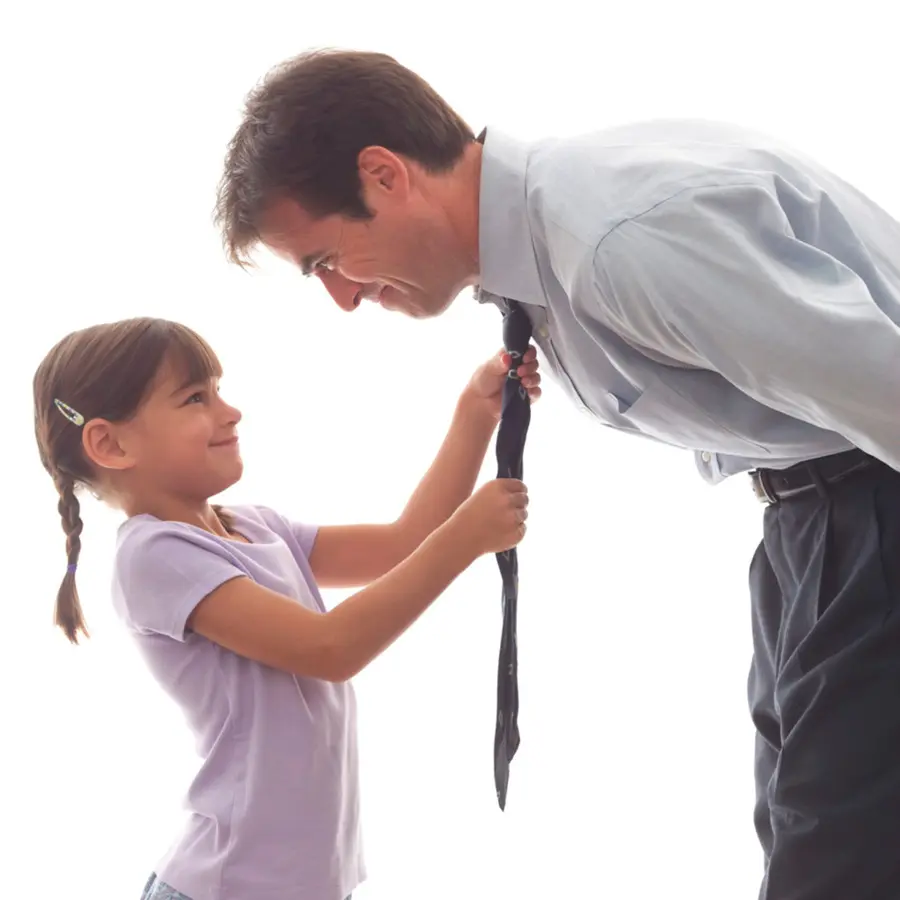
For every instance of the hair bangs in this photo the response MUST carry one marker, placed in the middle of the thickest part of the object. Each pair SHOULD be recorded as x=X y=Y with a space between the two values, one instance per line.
x=191 y=357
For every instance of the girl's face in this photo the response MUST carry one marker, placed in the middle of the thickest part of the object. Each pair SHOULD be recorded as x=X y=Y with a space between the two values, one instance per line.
x=181 y=445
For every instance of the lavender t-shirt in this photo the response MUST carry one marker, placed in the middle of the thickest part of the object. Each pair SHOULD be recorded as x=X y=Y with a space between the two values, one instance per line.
x=274 y=808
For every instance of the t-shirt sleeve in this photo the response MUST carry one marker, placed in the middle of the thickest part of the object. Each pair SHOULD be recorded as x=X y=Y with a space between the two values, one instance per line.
x=303 y=535
x=163 y=571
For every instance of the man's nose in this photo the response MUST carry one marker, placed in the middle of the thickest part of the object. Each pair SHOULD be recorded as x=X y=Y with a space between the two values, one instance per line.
x=344 y=292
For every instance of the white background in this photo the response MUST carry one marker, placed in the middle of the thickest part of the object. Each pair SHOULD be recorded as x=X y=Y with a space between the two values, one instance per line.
x=634 y=778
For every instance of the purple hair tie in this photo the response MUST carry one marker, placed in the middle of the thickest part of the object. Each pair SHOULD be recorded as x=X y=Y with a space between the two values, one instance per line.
x=71 y=567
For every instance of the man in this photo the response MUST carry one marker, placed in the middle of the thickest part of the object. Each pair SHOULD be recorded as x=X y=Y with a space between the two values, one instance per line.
x=691 y=282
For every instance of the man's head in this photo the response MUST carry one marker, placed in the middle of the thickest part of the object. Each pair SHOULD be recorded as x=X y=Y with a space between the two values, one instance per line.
x=352 y=167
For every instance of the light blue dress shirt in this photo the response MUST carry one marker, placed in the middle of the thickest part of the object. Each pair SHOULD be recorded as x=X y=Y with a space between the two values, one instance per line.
x=704 y=286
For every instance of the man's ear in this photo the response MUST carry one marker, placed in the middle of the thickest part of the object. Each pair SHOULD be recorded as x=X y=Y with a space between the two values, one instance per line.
x=384 y=176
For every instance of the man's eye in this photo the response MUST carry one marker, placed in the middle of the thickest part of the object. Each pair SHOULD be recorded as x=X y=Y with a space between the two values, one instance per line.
x=325 y=265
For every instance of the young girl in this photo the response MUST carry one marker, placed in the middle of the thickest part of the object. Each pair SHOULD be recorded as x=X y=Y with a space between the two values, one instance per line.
x=225 y=606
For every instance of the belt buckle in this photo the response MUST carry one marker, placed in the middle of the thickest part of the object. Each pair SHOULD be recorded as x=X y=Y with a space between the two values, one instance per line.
x=761 y=488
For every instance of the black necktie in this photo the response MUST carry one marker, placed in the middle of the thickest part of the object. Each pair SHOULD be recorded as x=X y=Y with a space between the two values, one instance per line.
x=515 y=416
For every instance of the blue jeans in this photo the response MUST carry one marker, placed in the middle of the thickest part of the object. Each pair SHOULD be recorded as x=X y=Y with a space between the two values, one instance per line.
x=159 y=890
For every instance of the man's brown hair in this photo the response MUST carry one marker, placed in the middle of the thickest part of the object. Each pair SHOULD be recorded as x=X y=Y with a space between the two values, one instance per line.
x=305 y=125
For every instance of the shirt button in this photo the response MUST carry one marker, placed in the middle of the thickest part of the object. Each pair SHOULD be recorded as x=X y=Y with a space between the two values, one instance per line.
x=706 y=457
x=543 y=331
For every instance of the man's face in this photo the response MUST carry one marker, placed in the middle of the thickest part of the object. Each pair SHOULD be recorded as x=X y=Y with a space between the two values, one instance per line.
x=405 y=258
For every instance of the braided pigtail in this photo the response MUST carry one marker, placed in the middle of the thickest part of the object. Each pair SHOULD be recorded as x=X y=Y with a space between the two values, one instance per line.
x=68 y=615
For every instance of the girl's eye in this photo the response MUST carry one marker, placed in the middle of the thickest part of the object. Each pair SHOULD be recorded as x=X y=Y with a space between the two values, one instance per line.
x=195 y=398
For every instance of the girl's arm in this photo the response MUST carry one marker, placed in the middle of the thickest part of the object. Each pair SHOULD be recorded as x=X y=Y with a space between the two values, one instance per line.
x=265 y=626
x=355 y=555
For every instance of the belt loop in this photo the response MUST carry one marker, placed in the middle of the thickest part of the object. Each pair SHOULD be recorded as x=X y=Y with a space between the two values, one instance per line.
x=817 y=479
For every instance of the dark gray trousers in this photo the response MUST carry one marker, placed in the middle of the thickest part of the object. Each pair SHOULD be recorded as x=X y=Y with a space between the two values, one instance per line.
x=824 y=692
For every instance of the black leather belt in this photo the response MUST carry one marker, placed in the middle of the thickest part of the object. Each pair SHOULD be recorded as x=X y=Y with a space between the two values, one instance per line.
x=773 y=485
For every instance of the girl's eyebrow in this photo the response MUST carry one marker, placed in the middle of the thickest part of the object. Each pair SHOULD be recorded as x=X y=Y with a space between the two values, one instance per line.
x=189 y=383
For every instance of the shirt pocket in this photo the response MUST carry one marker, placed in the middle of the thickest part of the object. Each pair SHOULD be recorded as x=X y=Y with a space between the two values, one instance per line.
x=668 y=415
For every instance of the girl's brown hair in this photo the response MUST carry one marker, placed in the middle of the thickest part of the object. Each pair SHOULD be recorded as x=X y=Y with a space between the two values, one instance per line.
x=106 y=372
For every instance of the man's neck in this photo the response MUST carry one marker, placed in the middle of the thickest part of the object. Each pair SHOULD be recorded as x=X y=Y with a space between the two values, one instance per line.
x=458 y=193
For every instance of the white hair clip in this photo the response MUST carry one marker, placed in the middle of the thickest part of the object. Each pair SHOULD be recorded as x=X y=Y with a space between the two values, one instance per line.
x=75 y=417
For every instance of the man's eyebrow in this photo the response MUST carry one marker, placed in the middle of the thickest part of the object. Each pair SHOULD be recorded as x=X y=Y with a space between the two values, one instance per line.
x=308 y=263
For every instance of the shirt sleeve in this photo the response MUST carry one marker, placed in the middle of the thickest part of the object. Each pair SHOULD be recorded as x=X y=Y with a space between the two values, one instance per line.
x=716 y=278
x=301 y=534
x=162 y=572
x=304 y=535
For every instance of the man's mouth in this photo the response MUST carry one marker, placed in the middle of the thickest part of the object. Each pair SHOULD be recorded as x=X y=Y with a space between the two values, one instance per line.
x=230 y=442
x=372 y=292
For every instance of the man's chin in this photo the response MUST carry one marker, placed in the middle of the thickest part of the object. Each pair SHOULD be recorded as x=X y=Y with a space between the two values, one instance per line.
x=415 y=306
x=411 y=310
x=418 y=313
x=428 y=309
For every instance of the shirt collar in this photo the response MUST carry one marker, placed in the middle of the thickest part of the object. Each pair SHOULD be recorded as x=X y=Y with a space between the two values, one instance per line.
x=505 y=247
